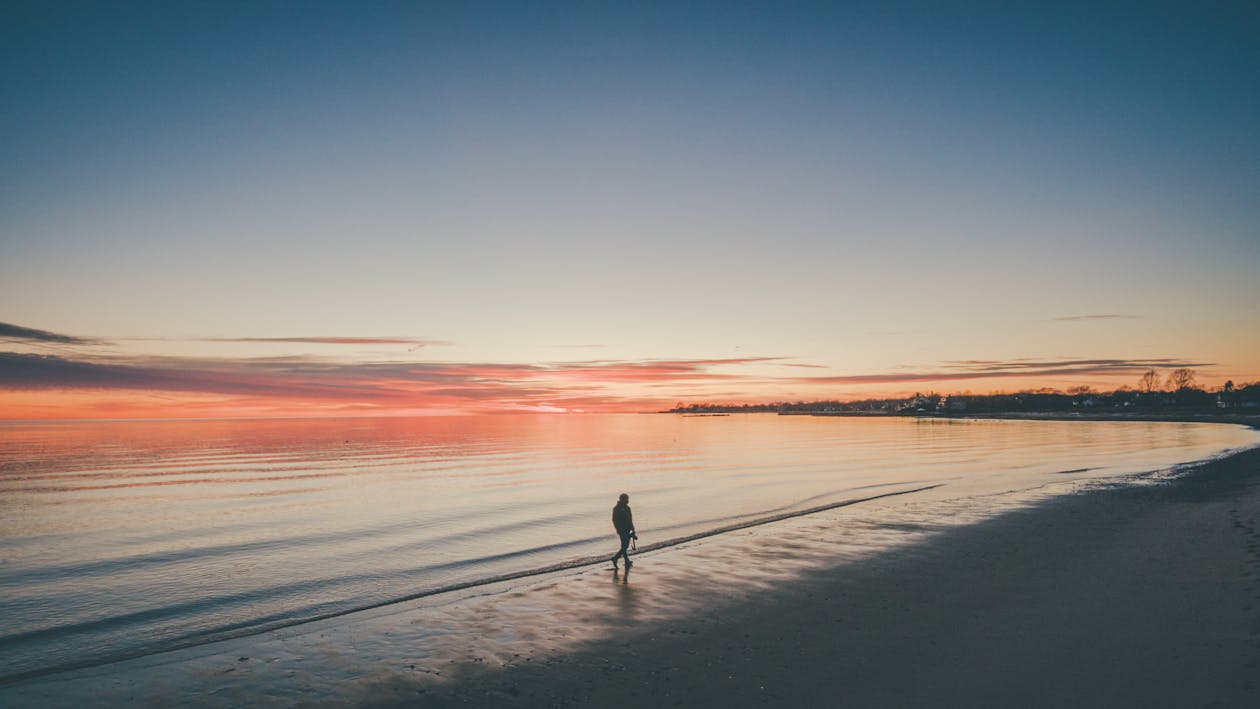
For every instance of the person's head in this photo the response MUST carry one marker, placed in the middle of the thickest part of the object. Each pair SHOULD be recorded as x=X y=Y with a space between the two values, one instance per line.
x=623 y=499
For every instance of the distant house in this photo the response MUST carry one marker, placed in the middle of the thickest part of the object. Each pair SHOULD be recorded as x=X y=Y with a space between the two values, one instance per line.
x=1247 y=398
x=920 y=403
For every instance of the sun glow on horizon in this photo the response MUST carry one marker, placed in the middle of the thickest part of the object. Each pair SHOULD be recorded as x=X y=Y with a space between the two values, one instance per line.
x=82 y=382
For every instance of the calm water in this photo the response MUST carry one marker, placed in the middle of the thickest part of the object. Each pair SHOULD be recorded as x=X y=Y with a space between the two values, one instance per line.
x=119 y=539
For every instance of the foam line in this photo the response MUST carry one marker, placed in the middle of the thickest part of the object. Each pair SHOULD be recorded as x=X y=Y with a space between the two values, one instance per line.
x=260 y=628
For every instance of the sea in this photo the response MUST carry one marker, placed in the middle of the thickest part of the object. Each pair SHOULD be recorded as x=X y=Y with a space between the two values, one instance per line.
x=124 y=539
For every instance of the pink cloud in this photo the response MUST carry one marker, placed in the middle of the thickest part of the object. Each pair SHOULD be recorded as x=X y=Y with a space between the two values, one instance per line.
x=337 y=385
x=328 y=386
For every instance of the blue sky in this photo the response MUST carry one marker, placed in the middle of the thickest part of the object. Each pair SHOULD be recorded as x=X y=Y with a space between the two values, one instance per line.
x=864 y=189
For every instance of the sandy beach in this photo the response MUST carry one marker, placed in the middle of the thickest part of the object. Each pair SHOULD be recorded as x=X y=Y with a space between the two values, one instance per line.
x=1111 y=595
x=1141 y=596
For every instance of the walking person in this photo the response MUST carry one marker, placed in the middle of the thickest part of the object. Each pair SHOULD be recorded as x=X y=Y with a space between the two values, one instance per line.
x=623 y=522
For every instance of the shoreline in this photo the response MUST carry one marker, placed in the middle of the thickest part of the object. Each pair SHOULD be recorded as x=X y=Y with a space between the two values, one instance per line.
x=1125 y=596
x=473 y=586
x=1119 y=587
x=1252 y=420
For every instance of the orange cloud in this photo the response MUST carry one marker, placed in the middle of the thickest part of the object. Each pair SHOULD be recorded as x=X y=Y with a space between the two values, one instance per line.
x=166 y=386
x=41 y=386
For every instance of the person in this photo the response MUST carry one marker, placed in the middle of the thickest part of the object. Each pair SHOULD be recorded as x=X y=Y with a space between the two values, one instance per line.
x=623 y=522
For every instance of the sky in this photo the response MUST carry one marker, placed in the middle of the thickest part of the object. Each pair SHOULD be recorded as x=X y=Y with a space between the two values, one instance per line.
x=274 y=209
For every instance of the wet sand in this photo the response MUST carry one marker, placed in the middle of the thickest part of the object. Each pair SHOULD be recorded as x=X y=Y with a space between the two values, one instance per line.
x=1141 y=597
x=1116 y=595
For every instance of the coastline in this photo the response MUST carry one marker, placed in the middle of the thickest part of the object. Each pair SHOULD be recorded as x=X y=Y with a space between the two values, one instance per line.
x=1121 y=595
x=1252 y=420
x=1141 y=596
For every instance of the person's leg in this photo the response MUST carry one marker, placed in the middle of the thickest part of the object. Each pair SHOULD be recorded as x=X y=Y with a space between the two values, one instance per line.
x=625 y=544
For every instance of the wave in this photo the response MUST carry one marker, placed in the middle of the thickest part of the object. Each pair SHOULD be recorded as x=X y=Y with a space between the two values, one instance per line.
x=315 y=612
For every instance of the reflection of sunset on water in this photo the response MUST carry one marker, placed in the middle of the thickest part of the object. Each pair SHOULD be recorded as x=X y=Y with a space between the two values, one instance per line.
x=132 y=536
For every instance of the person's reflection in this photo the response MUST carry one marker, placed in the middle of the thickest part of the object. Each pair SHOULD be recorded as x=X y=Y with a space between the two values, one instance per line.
x=627 y=603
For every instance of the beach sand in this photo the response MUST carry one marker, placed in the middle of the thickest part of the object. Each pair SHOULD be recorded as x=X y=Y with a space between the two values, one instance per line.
x=1138 y=597
x=1141 y=595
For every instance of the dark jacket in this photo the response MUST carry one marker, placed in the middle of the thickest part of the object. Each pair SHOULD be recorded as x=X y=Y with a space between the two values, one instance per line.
x=623 y=520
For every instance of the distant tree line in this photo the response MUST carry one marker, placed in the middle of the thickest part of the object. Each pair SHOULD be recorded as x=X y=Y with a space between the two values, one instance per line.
x=1175 y=393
